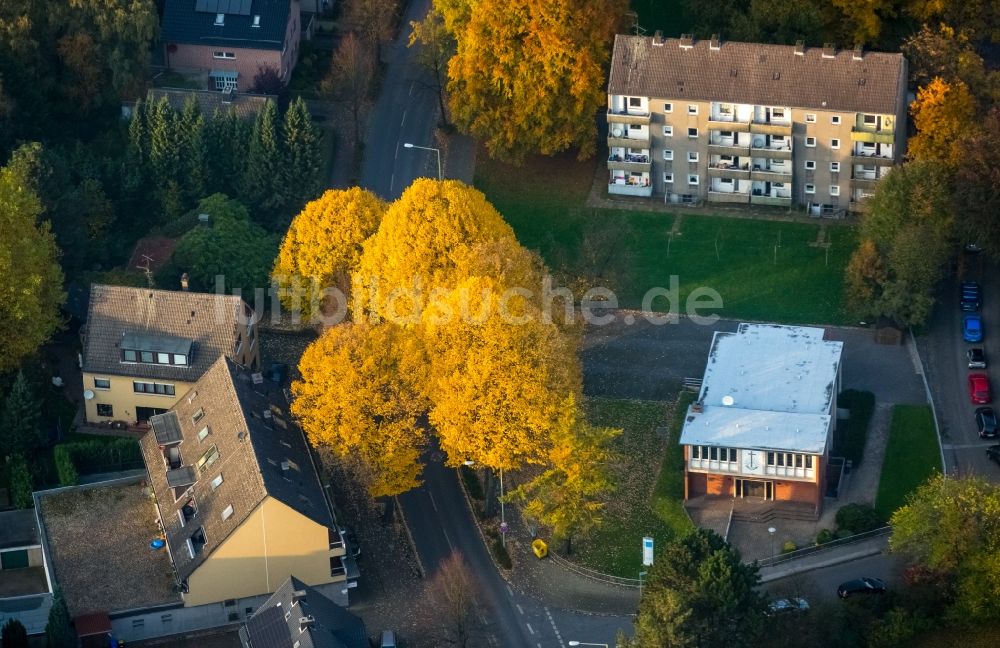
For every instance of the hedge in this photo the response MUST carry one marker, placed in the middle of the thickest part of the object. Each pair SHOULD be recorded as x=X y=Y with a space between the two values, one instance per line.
x=849 y=441
x=65 y=469
x=90 y=457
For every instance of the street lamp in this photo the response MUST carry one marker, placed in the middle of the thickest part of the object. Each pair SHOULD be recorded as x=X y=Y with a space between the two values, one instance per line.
x=770 y=531
x=584 y=643
x=427 y=148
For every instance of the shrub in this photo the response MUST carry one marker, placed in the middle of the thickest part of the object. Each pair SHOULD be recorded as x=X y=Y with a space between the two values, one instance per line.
x=103 y=456
x=500 y=553
x=14 y=634
x=472 y=484
x=849 y=440
x=21 y=483
x=64 y=466
x=789 y=546
x=824 y=536
x=858 y=518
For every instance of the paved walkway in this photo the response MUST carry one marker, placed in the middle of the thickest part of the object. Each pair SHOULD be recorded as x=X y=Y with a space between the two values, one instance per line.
x=826 y=558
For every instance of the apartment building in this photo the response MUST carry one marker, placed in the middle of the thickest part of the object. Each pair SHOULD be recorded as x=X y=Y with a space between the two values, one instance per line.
x=747 y=123
x=763 y=423
x=144 y=348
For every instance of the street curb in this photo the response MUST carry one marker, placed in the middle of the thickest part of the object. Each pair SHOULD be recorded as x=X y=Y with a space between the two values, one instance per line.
x=409 y=536
x=821 y=565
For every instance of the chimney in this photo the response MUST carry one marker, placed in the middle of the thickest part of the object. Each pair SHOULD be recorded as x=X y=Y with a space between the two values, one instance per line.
x=800 y=48
x=829 y=50
x=715 y=43
x=686 y=41
x=306 y=622
x=859 y=52
x=184 y=281
x=298 y=595
x=658 y=38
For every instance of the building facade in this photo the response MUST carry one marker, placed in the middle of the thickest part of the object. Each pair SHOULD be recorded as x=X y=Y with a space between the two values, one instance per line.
x=143 y=349
x=764 y=419
x=755 y=124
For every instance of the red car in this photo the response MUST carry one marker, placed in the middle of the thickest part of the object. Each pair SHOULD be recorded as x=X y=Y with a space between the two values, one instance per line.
x=979 y=388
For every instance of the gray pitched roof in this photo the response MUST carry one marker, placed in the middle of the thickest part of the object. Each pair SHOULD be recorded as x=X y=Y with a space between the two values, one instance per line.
x=183 y=22
x=258 y=456
x=331 y=625
x=754 y=73
x=243 y=105
x=210 y=322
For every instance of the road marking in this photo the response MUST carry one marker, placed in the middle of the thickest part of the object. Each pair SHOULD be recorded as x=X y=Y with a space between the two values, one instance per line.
x=403 y=121
x=448 y=540
x=509 y=590
x=520 y=609
x=530 y=629
x=555 y=628
x=411 y=89
x=433 y=503
x=392 y=181
x=397 y=150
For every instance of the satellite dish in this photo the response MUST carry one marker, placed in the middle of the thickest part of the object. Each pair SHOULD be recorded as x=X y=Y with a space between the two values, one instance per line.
x=728 y=401
x=617 y=132
x=89 y=394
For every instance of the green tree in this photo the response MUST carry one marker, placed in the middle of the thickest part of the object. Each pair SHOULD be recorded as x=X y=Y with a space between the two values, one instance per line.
x=976 y=179
x=165 y=146
x=227 y=138
x=14 y=634
x=21 y=482
x=21 y=430
x=30 y=277
x=59 y=631
x=264 y=177
x=191 y=137
x=699 y=593
x=303 y=164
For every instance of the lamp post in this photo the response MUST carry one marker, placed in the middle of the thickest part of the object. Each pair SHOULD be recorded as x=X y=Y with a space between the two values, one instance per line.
x=427 y=148
x=770 y=531
x=584 y=643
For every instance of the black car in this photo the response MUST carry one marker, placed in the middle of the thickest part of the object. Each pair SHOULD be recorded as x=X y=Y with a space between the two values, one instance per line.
x=976 y=358
x=970 y=296
x=986 y=422
x=993 y=452
x=861 y=586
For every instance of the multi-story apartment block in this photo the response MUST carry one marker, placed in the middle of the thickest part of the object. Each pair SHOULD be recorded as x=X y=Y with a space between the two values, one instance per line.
x=753 y=124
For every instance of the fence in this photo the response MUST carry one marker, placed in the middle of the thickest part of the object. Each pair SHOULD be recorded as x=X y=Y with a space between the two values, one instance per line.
x=593 y=574
x=807 y=551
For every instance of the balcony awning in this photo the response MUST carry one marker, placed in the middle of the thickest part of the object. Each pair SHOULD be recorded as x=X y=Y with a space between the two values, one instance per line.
x=183 y=476
x=223 y=74
x=166 y=428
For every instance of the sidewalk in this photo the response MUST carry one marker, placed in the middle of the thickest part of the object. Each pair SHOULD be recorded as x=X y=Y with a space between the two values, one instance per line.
x=826 y=558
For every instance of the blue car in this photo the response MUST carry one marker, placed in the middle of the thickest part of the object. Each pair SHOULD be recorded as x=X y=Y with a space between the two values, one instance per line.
x=972 y=328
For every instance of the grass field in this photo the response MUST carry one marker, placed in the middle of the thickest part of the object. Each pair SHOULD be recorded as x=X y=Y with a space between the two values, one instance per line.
x=648 y=499
x=911 y=456
x=764 y=270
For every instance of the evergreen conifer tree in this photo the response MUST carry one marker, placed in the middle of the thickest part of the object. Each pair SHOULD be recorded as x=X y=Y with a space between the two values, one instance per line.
x=58 y=631
x=14 y=634
x=263 y=174
x=303 y=157
x=20 y=426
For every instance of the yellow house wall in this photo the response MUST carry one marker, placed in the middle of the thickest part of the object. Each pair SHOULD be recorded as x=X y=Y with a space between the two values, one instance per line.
x=124 y=400
x=272 y=544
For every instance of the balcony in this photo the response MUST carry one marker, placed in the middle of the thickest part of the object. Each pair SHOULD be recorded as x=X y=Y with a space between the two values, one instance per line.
x=728 y=197
x=627 y=118
x=873 y=137
x=775 y=201
x=622 y=188
x=877 y=160
x=627 y=141
x=866 y=184
x=723 y=170
x=770 y=128
x=782 y=153
x=337 y=568
x=631 y=163
x=775 y=174
x=723 y=125
x=728 y=149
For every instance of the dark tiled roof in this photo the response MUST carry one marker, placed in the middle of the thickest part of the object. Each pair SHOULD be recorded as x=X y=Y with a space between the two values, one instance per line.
x=258 y=456
x=753 y=73
x=18 y=529
x=243 y=105
x=332 y=626
x=183 y=24
x=210 y=322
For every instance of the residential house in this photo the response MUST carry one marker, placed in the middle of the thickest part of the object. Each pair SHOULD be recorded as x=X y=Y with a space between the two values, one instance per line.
x=25 y=592
x=144 y=348
x=298 y=616
x=238 y=497
x=763 y=423
x=231 y=40
x=748 y=123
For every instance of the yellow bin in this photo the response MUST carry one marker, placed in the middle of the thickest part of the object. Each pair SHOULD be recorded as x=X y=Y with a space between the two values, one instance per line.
x=540 y=548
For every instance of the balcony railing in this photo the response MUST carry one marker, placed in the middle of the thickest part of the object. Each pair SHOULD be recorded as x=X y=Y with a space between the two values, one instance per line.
x=771 y=151
x=631 y=163
x=723 y=170
x=876 y=159
x=715 y=123
x=770 y=128
x=728 y=197
x=731 y=148
x=777 y=201
x=876 y=137
x=627 y=189
x=627 y=140
x=622 y=117
x=336 y=540
x=771 y=173
x=868 y=184
x=337 y=567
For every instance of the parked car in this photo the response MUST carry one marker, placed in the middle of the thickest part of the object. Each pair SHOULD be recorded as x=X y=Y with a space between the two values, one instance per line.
x=977 y=358
x=781 y=606
x=972 y=328
x=986 y=422
x=993 y=452
x=861 y=586
x=970 y=296
x=388 y=639
x=979 y=389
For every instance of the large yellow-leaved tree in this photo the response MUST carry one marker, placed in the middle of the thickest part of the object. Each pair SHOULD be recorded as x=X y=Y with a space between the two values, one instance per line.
x=529 y=75
x=943 y=112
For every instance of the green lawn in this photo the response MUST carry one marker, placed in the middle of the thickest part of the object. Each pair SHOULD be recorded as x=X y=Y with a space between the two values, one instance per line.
x=763 y=270
x=911 y=456
x=647 y=501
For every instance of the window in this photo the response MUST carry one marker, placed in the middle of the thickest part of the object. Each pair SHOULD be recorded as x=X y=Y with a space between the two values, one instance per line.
x=810 y=188
x=692 y=156
x=692 y=109
x=153 y=388
x=692 y=179
x=810 y=141
x=197 y=416
x=220 y=19
x=162 y=358
x=770 y=458
x=835 y=119
x=696 y=452
x=180 y=359
x=692 y=133
x=834 y=190
x=203 y=434
x=209 y=458
x=714 y=456
x=138 y=623
x=668 y=107
x=668 y=131
x=105 y=409
x=256 y=21
x=668 y=154
x=835 y=143
x=217 y=482
x=634 y=102
x=223 y=83
x=229 y=603
x=870 y=120
x=810 y=118
x=809 y=461
x=810 y=165
x=129 y=355
x=146 y=356
x=835 y=167
x=634 y=127
x=777 y=113
x=227 y=512
x=224 y=55
x=102 y=383
x=668 y=178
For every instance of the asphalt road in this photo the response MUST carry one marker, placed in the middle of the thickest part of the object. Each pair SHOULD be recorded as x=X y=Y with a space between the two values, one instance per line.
x=943 y=351
x=820 y=585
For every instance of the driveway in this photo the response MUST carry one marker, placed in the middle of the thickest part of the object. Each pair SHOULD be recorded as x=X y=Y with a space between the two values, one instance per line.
x=943 y=351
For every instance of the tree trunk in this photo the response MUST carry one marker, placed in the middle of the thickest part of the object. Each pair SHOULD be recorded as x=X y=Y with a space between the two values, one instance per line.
x=569 y=545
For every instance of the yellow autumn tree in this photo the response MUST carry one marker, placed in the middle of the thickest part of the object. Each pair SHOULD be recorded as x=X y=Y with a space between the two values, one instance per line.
x=362 y=393
x=498 y=375
x=529 y=75
x=323 y=246
x=569 y=496
x=423 y=236
x=943 y=113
